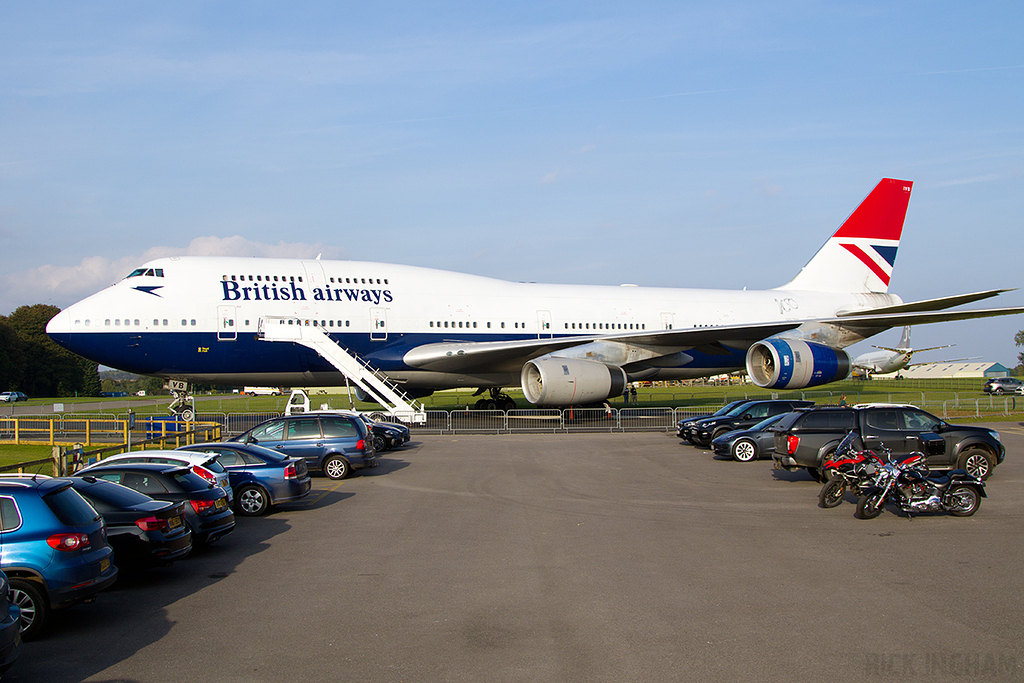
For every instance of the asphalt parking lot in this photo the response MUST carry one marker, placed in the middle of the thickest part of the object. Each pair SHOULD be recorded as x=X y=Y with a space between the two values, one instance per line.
x=585 y=557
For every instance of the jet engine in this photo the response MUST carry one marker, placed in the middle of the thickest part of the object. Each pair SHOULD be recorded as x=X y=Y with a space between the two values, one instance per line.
x=570 y=381
x=792 y=364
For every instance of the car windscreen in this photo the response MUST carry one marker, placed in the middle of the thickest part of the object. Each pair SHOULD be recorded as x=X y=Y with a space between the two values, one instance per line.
x=214 y=466
x=738 y=410
x=727 y=408
x=71 y=509
x=767 y=422
x=116 y=496
x=189 y=481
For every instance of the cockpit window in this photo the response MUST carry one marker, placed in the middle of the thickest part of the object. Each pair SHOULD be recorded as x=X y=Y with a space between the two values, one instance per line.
x=151 y=272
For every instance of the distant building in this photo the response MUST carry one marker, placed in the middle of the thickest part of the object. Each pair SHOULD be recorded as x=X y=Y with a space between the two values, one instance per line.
x=961 y=369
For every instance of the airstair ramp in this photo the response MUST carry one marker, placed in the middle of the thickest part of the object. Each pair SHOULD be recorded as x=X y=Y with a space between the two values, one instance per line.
x=375 y=383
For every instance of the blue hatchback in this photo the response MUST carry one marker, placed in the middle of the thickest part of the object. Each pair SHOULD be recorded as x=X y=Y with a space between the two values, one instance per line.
x=53 y=547
x=260 y=477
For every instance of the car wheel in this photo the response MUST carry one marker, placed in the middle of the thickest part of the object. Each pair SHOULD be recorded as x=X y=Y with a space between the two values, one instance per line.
x=977 y=462
x=744 y=450
x=827 y=467
x=870 y=505
x=336 y=467
x=252 y=501
x=379 y=443
x=963 y=501
x=832 y=493
x=34 y=610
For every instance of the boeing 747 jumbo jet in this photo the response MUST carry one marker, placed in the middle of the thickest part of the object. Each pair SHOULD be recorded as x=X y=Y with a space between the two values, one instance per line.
x=284 y=322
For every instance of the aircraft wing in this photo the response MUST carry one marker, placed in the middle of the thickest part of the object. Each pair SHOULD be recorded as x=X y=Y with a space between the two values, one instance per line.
x=505 y=356
x=509 y=356
x=871 y=323
x=939 y=304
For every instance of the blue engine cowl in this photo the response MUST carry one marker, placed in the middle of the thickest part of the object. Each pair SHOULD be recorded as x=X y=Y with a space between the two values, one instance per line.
x=792 y=364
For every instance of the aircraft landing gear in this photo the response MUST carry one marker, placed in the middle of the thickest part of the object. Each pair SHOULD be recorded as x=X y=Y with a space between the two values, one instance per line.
x=497 y=401
x=183 y=405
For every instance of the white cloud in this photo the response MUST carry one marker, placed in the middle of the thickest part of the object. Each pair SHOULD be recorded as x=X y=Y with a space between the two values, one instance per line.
x=63 y=285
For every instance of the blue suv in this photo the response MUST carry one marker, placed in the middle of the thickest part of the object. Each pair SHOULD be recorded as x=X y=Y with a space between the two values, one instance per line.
x=333 y=442
x=53 y=548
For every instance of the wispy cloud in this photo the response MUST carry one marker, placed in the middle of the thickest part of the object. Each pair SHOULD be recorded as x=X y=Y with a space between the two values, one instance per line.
x=63 y=285
x=983 y=178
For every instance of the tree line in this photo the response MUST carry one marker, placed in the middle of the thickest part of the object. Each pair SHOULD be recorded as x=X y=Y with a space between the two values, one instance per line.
x=34 y=364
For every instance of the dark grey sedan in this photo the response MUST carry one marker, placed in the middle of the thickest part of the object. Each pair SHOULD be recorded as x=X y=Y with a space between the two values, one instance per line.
x=744 y=445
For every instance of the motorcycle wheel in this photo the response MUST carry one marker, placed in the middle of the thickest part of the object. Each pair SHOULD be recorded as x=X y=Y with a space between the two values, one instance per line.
x=870 y=505
x=832 y=492
x=963 y=501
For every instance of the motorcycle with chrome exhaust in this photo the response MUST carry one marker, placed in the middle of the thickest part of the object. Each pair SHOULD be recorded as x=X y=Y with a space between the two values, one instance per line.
x=913 y=490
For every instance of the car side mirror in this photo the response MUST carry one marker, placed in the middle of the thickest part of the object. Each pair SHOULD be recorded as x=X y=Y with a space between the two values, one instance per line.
x=747 y=416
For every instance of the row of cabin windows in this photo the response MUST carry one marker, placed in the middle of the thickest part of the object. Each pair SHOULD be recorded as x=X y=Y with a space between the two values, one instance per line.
x=260 y=278
x=293 y=278
x=606 y=326
x=126 y=322
x=473 y=325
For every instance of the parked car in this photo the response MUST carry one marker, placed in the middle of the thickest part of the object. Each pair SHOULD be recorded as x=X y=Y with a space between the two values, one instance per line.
x=805 y=437
x=12 y=397
x=207 y=513
x=335 y=443
x=682 y=426
x=10 y=627
x=53 y=548
x=143 y=532
x=386 y=435
x=206 y=467
x=1003 y=385
x=744 y=445
x=261 y=477
x=743 y=416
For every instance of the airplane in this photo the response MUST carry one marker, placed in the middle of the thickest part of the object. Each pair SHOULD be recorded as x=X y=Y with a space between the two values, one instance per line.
x=888 y=360
x=205 y=319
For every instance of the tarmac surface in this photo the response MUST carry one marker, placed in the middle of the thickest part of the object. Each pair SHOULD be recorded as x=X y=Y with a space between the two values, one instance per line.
x=582 y=557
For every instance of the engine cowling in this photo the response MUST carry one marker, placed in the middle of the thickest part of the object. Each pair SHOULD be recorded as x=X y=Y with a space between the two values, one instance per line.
x=570 y=381
x=793 y=364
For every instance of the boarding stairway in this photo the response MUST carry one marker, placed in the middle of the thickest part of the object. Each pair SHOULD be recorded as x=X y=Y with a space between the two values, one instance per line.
x=375 y=383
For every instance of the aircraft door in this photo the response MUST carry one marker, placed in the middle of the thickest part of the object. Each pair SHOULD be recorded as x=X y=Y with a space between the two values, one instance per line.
x=667 y=320
x=378 y=324
x=314 y=274
x=543 y=324
x=227 y=329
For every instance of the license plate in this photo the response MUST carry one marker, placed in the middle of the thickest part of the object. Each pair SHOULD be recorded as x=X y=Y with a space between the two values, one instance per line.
x=104 y=565
x=174 y=522
x=221 y=503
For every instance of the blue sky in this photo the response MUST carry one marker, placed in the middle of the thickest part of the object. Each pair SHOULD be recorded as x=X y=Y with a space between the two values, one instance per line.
x=669 y=144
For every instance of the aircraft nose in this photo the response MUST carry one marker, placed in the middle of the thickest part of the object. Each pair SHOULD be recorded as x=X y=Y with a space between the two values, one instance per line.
x=59 y=327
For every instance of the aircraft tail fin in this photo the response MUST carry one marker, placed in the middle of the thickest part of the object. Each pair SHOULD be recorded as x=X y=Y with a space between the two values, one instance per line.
x=860 y=256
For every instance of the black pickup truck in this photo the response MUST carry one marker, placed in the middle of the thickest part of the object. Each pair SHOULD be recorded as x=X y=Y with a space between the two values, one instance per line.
x=806 y=436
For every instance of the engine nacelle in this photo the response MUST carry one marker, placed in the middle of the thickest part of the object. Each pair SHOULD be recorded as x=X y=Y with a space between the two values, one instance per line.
x=570 y=381
x=792 y=364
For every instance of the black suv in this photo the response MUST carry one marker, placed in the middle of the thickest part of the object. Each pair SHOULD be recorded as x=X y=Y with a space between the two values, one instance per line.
x=804 y=438
x=703 y=432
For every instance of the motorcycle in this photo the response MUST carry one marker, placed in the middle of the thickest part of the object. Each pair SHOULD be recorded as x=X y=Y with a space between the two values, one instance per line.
x=849 y=468
x=908 y=484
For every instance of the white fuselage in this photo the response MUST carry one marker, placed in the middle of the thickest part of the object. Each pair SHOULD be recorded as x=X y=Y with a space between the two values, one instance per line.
x=197 y=318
